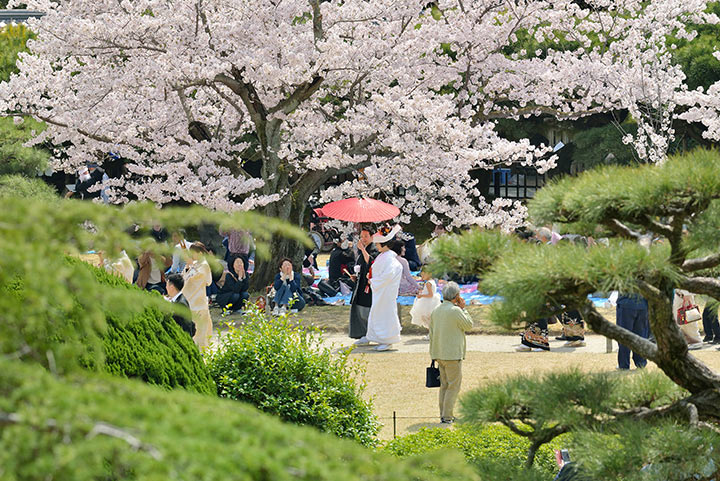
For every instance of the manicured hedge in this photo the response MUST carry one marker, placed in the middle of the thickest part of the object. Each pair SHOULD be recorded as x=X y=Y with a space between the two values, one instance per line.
x=89 y=427
x=491 y=443
x=150 y=347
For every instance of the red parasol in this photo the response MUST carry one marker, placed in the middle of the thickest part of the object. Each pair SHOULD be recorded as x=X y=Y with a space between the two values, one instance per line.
x=360 y=210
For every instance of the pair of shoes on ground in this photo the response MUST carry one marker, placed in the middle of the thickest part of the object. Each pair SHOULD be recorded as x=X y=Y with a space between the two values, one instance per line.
x=710 y=340
x=363 y=341
x=524 y=348
x=280 y=311
x=561 y=338
x=447 y=420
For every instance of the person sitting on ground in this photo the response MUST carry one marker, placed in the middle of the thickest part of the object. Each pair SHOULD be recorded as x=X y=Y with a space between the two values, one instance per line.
x=426 y=301
x=150 y=277
x=411 y=252
x=233 y=285
x=408 y=284
x=174 y=286
x=288 y=292
x=121 y=267
x=448 y=324
x=340 y=265
x=198 y=276
x=310 y=263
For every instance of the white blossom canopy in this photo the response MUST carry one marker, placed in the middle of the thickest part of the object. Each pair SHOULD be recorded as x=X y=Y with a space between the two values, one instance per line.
x=190 y=91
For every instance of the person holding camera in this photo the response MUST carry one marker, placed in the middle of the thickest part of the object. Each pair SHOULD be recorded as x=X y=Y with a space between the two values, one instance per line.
x=448 y=324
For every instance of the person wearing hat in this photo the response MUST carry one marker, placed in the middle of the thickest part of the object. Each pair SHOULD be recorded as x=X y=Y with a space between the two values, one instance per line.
x=385 y=274
x=362 y=294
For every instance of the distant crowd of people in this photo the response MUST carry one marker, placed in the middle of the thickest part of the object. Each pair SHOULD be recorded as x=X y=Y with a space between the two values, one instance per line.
x=186 y=277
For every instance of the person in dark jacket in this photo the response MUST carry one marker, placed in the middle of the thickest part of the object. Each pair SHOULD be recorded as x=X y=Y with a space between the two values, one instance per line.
x=287 y=289
x=174 y=285
x=361 y=300
x=233 y=284
x=340 y=265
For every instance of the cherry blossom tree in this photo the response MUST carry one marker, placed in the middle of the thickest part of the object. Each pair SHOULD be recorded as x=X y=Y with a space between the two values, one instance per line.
x=257 y=104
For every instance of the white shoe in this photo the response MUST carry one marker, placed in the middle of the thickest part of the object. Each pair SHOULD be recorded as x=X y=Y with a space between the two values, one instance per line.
x=383 y=347
x=537 y=349
x=695 y=346
x=283 y=310
x=426 y=338
x=275 y=311
x=363 y=341
x=294 y=311
x=523 y=348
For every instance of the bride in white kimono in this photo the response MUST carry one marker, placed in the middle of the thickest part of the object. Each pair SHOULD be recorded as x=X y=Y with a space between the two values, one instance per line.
x=386 y=272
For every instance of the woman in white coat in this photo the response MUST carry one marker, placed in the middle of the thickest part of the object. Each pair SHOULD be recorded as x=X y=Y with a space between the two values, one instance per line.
x=385 y=274
x=197 y=276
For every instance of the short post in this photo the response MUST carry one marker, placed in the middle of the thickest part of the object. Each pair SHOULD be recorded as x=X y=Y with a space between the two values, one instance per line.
x=394 y=424
x=608 y=345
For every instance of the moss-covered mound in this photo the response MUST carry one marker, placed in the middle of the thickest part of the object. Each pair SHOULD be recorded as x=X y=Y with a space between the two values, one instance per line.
x=151 y=347
x=94 y=426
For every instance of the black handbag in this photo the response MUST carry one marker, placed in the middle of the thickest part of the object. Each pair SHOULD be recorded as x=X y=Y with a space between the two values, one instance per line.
x=432 y=375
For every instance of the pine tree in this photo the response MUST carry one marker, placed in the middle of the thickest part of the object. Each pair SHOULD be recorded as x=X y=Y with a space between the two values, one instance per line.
x=662 y=222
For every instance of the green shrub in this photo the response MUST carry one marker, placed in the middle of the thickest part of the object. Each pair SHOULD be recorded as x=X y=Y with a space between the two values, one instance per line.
x=150 y=346
x=23 y=187
x=89 y=427
x=283 y=369
x=484 y=447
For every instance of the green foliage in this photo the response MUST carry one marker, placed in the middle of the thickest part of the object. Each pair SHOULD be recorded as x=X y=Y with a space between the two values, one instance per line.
x=491 y=448
x=595 y=144
x=630 y=193
x=22 y=187
x=471 y=252
x=696 y=58
x=283 y=369
x=16 y=159
x=590 y=405
x=35 y=236
x=13 y=40
x=150 y=346
x=96 y=427
x=534 y=280
x=636 y=451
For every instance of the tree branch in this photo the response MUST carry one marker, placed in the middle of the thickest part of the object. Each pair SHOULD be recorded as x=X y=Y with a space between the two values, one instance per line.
x=708 y=286
x=602 y=326
x=699 y=263
x=303 y=92
x=318 y=32
x=51 y=425
x=622 y=230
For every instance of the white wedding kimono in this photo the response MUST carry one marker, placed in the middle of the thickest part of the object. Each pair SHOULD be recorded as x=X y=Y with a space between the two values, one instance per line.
x=383 y=322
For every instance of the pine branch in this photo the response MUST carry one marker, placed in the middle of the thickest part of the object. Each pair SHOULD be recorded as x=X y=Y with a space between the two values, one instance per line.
x=622 y=229
x=100 y=428
x=708 y=286
x=599 y=324
x=699 y=263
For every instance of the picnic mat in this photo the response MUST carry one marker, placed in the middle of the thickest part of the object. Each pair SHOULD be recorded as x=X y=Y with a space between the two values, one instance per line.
x=468 y=292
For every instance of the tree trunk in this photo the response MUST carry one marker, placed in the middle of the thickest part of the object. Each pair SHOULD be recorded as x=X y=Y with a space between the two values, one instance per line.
x=292 y=210
x=532 y=450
